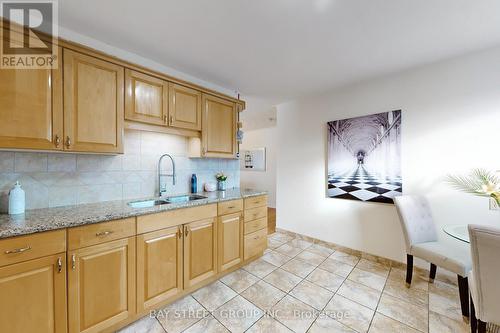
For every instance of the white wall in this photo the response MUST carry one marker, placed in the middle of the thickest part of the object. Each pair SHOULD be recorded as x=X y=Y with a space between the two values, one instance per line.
x=259 y=125
x=451 y=123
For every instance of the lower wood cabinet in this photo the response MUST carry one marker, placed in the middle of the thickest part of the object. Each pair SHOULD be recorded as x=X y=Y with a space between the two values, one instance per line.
x=33 y=296
x=101 y=285
x=159 y=267
x=230 y=242
x=200 y=251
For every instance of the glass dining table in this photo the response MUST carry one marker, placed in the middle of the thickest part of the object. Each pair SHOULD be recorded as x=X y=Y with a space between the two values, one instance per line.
x=458 y=231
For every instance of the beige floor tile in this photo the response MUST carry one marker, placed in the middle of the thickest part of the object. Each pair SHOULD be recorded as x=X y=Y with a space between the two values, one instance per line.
x=238 y=314
x=320 y=249
x=325 y=279
x=310 y=257
x=371 y=280
x=181 y=314
x=412 y=295
x=144 y=325
x=349 y=313
x=337 y=267
x=446 y=276
x=300 y=243
x=412 y=315
x=294 y=314
x=259 y=268
x=288 y=250
x=346 y=258
x=264 y=295
x=267 y=324
x=273 y=244
x=360 y=293
x=283 y=280
x=374 y=267
x=383 y=324
x=214 y=295
x=311 y=294
x=441 y=324
x=444 y=299
x=325 y=324
x=239 y=280
x=276 y=258
x=418 y=281
x=207 y=325
x=298 y=267
x=280 y=237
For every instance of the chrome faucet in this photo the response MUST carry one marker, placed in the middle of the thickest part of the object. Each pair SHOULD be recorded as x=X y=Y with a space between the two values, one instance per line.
x=163 y=190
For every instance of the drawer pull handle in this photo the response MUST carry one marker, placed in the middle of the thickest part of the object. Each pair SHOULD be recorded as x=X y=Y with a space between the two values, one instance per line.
x=104 y=233
x=180 y=232
x=231 y=207
x=73 y=261
x=186 y=231
x=59 y=265
x=21 y=250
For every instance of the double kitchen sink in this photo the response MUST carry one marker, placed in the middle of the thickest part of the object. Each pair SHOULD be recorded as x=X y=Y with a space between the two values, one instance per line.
x=165 y=201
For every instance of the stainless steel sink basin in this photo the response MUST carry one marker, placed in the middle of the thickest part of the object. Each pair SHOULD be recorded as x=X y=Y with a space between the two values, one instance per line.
x=169 y=200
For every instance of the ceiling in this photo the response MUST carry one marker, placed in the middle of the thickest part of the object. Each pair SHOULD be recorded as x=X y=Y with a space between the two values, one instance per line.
x=284 y=49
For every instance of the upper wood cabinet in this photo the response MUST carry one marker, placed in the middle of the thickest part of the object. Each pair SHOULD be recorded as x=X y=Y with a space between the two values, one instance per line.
x=146 y=98
x=93 y=104
x=230 y=242
x=200 y=251
x=33 y=296
x=101 y=285
x=218 y=127
x=31 y=114
x=184 y=107
x=159 y=267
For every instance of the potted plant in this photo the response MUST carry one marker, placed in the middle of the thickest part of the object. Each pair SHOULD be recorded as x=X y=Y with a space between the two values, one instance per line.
x=221 y=181
x=480 y=182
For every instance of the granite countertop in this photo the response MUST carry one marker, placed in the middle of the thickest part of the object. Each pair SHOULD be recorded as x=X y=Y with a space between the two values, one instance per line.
x=46 y=219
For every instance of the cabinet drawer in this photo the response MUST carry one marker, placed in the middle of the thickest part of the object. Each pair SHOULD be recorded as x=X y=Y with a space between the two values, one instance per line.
x=229 y=207
x=22 y=248
x=255 y=213
x=100 y=233
x=255 y=225
x=255 y=243
x=256 y=202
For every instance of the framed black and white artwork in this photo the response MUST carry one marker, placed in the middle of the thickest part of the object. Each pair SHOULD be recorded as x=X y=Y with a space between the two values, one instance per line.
x=364 y=158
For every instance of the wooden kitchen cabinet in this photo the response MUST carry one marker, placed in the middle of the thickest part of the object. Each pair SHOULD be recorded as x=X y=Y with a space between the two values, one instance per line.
x=33 y=296
x=219 y=118
x=200 y=251
x=101 y=285
x=159 y=266
x=184 y=107
x=230 y=241
x=146 y=98
x=93 y=104
x=31 y=113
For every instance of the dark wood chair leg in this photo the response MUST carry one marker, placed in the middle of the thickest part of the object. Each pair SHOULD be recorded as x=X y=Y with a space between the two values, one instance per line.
x=432 y=274
x=481 y=326
x=409 y=269
x=463 y=288
x=473 y=320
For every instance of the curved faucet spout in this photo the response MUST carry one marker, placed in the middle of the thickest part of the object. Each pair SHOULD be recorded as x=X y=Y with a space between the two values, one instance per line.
x=163 y=190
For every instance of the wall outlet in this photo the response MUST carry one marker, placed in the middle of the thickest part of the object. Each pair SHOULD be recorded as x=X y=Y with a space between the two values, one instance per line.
x=494 y=205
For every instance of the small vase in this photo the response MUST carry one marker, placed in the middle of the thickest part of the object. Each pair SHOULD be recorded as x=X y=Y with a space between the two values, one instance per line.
x=221 y=185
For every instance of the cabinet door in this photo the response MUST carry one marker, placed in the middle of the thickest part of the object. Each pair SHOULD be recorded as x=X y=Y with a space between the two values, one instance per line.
x=101 y=285
x=31 y=113
x=33 y=296
x=93 y=104
x=184 y=107
x=218 y=127
x=230 y=242
x=159 y=266
x=146 y=98
x=200 y=251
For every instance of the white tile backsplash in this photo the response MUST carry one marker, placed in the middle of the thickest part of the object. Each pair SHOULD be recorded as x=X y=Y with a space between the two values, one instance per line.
x=58 y=179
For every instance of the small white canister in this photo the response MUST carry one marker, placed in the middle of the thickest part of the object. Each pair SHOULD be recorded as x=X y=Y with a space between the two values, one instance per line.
x=17 y=200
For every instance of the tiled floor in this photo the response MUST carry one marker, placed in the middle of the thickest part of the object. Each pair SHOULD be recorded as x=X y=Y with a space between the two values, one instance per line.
x=298 y=286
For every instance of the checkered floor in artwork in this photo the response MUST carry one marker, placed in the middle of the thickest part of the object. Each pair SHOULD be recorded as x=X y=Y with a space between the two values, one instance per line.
x=361 y=185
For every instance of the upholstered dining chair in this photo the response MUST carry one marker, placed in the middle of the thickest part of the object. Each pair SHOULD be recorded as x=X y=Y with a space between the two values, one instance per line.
x=483 y=279
x=422 y=242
